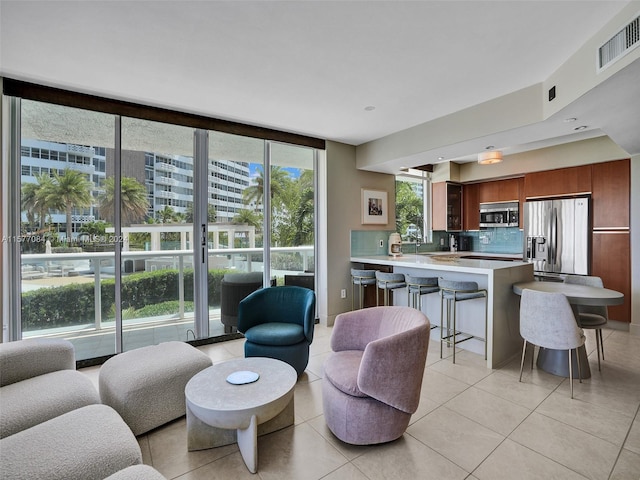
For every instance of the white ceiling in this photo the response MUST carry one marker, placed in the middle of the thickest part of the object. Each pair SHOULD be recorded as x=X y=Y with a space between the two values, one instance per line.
x=312 y=67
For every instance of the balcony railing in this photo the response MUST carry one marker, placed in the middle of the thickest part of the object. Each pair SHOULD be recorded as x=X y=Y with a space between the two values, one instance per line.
x=60 y=269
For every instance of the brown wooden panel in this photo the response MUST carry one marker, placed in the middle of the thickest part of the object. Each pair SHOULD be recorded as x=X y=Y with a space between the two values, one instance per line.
x=489 y=192
x=508 y=190
x=471 y=213
x=522 y=199
x=439 y=206
x=611 y=261
x=563 y=181
x=611 y=189
x=370 y=291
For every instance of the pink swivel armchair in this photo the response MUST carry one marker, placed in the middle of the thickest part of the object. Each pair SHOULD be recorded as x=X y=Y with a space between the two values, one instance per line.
x=372 y=380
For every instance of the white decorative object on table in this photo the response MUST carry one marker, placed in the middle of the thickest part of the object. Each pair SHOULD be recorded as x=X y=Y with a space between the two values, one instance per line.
x=242 y=377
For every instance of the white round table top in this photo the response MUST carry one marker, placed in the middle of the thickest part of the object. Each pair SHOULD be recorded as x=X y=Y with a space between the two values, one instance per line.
x=576 y=294
x=210 y=390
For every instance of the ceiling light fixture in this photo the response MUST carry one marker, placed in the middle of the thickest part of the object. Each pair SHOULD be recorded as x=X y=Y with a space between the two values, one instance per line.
x=369 y=108
x=581 y=127
x=489 y=158
x=571 y=119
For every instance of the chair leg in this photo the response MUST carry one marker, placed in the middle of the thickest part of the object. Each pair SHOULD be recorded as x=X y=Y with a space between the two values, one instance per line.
x=598 y=333
x=441 y=323
x=579 y=368
x=454 y=330
x=533 y=354
x=601 y=343
x=570 y=374
x=524 y=349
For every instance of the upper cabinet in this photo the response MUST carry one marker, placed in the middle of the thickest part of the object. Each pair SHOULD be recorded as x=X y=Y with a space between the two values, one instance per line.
x=447 y=206
x=499 y=191
x=564 y=181
x=471 y=208
x=610 y=194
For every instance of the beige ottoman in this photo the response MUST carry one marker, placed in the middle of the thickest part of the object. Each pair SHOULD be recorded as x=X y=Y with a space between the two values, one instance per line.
x=146 y=385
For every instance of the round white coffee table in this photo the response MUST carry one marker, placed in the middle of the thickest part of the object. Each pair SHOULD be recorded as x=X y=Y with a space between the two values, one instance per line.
x=220 y=413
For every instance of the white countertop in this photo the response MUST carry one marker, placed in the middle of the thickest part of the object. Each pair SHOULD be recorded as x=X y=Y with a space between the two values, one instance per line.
x=446 y=261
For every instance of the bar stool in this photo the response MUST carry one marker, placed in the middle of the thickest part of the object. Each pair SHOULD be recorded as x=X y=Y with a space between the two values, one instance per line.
x=418 y=286
x=362 y=278
x=386 y=282
x=453 y=292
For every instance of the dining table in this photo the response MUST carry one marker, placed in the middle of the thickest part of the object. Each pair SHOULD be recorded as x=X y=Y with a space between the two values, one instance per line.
x=555 y=361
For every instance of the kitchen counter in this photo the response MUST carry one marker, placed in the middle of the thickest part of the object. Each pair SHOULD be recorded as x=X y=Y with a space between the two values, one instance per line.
x=497 y=276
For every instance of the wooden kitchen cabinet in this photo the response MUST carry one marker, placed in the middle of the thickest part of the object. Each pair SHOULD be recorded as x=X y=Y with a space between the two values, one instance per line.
x=447 y=206
x=499 y=191
x=371 y=291
x=563 y=181
x=611 y=261
x=471 y=210
x=611 y=194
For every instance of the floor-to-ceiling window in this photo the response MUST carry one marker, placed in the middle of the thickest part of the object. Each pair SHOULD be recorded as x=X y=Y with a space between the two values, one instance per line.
x=109 y=221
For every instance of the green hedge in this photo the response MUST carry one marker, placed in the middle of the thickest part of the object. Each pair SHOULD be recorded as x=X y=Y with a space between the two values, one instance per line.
x=74 y=305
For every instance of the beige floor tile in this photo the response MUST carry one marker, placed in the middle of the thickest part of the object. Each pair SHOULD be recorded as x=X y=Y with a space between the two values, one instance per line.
x=321 y=344
x=588 y=455
x=425 y=407
x=230 y=467
x=469 y=368
x=509 y=388
x=346 y=472
x=169 y=454
x=617 y=387
x=633 y=440
x=406 y=459
x=533 y=376
x=316 y=365
x=513 y=461
x=218 y=352
x=501 y=416
x=143 y=441
x=298 y=452
x=308 y=399
x=602 y=422
x=440 y=388
x=627 y=467
x=349 y=451
x=463 y=441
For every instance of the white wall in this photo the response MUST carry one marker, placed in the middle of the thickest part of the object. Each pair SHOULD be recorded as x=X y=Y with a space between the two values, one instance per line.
x=344 y=184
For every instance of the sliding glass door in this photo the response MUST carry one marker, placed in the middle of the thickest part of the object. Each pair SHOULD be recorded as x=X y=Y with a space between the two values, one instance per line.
x=125 y=227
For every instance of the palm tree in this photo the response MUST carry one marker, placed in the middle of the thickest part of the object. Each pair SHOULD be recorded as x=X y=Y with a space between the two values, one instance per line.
x=212 y=214
x=34 y=198
x=168 y=215
x=133 y=196
x=279 y=180
x=69 y=190
x=247 y=217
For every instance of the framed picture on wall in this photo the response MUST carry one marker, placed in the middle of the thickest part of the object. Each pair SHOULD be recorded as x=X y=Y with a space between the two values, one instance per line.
x=374 y=207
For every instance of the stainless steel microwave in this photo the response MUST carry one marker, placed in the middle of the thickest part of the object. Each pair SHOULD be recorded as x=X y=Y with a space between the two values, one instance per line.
x=499 y=214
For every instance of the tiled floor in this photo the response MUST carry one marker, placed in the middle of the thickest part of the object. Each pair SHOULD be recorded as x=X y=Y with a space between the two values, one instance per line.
x=472 y=423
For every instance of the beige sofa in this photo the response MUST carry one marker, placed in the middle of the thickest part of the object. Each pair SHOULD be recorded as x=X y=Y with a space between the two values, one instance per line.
x=52 y=424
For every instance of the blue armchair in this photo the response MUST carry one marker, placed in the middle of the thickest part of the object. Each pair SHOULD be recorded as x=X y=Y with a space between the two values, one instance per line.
x=278 y=322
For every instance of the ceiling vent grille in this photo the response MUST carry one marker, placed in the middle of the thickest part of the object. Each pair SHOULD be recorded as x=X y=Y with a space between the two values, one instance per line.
x=620 y=44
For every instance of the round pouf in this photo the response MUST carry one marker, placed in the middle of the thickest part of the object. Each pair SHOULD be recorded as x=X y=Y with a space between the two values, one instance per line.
x=146 y=385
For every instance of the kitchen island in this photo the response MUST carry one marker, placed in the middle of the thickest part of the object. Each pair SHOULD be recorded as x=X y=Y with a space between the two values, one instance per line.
x=496 y=276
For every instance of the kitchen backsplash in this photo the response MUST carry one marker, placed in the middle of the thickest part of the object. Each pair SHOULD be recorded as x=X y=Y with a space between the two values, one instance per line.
x=491 y=240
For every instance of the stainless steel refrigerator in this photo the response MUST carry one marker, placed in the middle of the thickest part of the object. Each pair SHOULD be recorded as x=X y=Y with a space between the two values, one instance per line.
x=557 y=236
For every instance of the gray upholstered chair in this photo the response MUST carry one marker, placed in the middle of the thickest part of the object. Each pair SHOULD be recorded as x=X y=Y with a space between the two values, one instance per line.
x=387 y=282
x=418 y=286
x=372 y=380
x=233 y=288
x=363 y=279
x=591 y=317
x=453 y=292
x=547 y=320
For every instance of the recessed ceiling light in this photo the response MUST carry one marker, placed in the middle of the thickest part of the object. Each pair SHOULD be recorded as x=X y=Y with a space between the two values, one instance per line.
x=581 y=127
x=440 y=158
x=369 y=108
x=489 y=147
x=570 y=119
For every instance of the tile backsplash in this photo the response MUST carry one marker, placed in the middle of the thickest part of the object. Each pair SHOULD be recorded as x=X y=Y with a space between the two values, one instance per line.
x=490 y=240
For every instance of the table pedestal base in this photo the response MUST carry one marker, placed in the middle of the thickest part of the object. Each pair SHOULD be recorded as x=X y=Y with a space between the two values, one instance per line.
x=201 y=436
x=556 y=362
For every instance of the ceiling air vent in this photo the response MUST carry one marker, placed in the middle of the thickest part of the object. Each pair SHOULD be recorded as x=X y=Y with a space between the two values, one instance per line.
x=620 y=44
